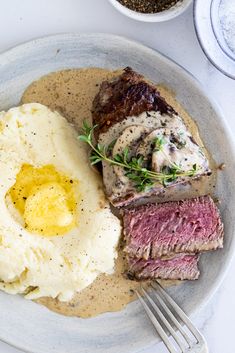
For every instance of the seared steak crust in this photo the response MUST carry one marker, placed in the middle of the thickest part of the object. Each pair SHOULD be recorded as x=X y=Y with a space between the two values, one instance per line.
x=125 y=96
x=187 y=226
x=179 y=267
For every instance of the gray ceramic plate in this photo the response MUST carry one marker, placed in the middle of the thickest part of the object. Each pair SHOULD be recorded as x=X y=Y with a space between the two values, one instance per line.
x=34 y=328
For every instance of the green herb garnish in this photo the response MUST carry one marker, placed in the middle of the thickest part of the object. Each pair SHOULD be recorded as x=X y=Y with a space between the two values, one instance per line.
x=133 y=166
x=159 y=142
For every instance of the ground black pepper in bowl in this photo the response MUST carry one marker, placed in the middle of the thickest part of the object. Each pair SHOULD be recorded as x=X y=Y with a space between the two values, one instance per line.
x=148 y=6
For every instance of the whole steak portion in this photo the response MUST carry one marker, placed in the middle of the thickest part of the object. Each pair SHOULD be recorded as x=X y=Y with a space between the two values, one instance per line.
x=187 y=226
x=131 y=115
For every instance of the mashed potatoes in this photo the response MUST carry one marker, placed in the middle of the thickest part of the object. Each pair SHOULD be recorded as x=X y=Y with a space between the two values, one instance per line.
x=57 y=233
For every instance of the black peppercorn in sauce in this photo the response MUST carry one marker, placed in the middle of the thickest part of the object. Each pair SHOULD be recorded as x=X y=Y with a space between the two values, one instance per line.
x=71 y=92
x=149 y=6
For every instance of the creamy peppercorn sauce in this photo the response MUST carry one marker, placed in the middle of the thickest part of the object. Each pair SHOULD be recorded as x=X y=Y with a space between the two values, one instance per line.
x=71 y=92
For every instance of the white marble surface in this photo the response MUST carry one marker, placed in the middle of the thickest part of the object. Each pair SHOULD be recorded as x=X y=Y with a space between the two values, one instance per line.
x=22 y=20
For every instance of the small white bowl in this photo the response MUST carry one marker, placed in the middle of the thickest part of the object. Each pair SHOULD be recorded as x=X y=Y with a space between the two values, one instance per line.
x=153 y=17
x=209 y=29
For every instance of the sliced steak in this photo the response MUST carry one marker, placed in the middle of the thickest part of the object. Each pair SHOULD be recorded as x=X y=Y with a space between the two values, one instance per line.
x=179 y=267
x=187 y=226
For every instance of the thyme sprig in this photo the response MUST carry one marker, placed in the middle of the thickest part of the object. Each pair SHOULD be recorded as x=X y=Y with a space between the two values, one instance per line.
x=133 y=166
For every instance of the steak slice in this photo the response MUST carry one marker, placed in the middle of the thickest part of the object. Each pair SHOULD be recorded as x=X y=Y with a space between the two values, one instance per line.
x=187 y=226
x=125 y=96
x=179 y=267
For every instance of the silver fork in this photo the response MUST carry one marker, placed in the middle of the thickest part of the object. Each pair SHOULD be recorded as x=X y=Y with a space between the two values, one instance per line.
x=166 y=317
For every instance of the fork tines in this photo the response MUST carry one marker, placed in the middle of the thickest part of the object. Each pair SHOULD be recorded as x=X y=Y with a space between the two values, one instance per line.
x=167 y=317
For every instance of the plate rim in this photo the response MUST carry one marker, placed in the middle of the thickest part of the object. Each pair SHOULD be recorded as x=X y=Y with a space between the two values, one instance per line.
x=4 y=57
